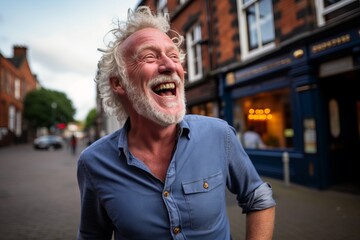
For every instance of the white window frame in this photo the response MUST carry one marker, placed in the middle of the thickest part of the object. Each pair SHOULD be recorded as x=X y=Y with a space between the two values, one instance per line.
x=12 y=118
x=322 y=11
x=246 y=53
x=191 y=61
x=17 y=89
x=162 y=7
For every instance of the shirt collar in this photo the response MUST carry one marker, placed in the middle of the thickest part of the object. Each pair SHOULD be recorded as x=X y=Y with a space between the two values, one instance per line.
x=183 y=128
x=122 y=143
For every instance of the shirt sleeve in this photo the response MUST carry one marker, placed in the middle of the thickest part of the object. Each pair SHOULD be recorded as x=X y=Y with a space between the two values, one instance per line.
x=94 y=222
x=243 y=179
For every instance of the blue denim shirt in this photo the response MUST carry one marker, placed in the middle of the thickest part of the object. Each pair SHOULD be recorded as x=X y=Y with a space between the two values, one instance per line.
x=119 y=193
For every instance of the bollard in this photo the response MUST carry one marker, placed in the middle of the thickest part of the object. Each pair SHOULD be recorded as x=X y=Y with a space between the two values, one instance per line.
x=286 y=167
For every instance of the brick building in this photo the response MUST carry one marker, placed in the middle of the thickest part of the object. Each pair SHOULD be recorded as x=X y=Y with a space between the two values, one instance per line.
x=16 y=80
x=287 y=69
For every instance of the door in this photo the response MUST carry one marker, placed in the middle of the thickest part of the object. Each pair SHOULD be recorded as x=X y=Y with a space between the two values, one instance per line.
x=342 y=101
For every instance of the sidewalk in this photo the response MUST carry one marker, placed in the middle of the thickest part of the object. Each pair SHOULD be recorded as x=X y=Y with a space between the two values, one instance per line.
x=305 y=214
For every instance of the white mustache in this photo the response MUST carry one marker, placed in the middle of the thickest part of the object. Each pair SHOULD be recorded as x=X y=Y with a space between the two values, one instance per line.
x=165 y=79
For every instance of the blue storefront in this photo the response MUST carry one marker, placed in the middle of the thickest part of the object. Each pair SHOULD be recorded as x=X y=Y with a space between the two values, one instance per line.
x=303 y=100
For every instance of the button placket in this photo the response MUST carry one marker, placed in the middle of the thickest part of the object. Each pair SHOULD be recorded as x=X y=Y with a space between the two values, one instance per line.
x=170 y=203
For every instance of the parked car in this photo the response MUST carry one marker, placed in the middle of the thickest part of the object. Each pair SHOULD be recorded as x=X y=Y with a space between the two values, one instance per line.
x=48 y=141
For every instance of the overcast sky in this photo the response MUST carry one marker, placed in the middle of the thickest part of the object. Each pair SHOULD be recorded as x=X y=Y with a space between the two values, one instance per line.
x=62 y=38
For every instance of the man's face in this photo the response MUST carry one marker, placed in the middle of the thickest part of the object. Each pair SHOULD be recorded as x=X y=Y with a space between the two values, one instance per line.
x=155 y=76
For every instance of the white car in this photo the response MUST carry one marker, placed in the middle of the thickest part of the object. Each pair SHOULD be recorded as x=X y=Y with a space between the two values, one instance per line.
x=48 y=141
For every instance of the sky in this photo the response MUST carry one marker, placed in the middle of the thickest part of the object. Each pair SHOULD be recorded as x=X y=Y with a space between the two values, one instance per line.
x=62 y=38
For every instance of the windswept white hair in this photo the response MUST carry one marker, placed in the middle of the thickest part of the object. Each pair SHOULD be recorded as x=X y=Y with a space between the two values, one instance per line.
x=111 y=64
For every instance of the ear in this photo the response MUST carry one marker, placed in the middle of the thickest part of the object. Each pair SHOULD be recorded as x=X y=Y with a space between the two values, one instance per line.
x=116 y=86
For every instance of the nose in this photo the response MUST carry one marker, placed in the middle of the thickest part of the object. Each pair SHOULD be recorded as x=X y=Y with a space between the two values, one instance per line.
x=166 y=65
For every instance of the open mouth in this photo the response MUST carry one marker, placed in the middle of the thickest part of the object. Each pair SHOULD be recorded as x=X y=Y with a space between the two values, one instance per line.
x=165 y=89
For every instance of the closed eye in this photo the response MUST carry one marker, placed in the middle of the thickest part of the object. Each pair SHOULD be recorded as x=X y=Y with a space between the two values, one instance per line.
x=149 y=57
x=174 y=57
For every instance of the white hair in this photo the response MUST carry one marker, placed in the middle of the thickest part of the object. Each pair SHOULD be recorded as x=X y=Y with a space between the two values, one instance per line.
x=111 y=64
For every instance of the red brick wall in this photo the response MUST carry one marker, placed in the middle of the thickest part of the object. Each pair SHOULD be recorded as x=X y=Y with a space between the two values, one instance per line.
x=293 y=17
x=227 y=33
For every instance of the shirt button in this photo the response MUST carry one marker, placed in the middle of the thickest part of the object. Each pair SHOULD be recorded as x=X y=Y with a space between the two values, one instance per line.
x=206 y=185
x=176 y=230
x=166 y=194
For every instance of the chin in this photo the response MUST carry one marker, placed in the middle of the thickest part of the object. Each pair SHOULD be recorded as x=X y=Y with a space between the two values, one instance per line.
x=166 y=119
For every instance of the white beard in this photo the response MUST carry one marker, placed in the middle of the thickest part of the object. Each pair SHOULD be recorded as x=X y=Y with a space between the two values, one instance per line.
x=146 y=106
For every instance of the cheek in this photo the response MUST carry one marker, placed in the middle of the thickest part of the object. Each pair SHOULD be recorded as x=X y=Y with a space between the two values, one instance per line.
x=134 y=72
x=139 y=74
x=133 y=68
x=180 y=71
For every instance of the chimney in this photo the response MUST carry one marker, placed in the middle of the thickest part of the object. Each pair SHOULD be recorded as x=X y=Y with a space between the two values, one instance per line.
x=19 y=51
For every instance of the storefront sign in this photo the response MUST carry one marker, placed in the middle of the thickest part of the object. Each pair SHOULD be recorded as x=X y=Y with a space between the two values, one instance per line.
x=343 y=39
x=330 y=43
x=266 y=67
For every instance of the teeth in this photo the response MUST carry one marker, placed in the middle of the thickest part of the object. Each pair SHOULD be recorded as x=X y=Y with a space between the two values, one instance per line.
x=165 y=86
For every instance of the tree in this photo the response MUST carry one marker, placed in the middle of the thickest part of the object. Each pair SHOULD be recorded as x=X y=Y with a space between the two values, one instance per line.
x=90 y=120
x=45 y=108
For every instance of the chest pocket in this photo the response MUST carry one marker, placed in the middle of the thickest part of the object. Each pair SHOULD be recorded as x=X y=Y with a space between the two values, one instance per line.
x=205 y=200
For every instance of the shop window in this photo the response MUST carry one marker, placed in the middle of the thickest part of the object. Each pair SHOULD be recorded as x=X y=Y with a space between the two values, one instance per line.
x=256 y=23
x=329 y=10
x=206 y=109
x=194 y=61
x=267 y=114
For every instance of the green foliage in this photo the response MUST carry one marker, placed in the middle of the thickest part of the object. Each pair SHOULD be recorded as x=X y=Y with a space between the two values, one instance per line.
x=90 y=119
x=44 y=108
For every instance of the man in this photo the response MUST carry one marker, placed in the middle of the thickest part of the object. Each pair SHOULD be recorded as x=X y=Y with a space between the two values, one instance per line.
x=252 y=139
x=163 y=175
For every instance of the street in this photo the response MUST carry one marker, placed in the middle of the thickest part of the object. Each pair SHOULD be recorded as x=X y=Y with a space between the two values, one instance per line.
x=39 y=200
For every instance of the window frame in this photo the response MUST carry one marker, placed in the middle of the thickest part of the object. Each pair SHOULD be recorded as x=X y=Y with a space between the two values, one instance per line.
x=12 y=117
x=181 y=2
x=17 y=89
x=162 y=7
x=192 y=44
x=247 y=53
x=322 y=11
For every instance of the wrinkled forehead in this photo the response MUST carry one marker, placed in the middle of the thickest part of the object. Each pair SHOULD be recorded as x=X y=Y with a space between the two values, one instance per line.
x=146 y=37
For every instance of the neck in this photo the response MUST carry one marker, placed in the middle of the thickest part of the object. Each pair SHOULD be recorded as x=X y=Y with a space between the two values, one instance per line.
x=153 y=145
x=149 y=136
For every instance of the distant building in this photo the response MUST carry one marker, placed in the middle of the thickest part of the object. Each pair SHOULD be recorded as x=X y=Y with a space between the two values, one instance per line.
x=16 y=80
x=104 y=124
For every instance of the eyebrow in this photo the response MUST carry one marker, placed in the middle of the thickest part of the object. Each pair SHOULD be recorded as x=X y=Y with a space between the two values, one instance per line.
x=154 y=48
